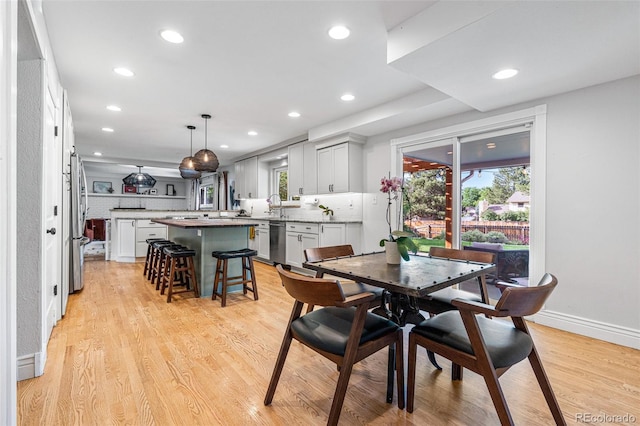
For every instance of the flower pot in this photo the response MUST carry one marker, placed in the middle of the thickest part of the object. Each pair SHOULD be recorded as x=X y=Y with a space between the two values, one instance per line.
x=393 y=255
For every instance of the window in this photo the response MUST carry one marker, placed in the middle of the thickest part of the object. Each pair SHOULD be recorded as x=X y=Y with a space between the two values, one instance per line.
x=281 y=182
x=207 y=195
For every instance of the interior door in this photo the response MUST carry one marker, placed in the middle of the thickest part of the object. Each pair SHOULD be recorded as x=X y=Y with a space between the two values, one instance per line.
x=52 y=242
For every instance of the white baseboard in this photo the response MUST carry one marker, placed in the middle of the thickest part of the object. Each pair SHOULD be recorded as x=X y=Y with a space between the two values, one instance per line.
x=30 y=366
x=598 y=330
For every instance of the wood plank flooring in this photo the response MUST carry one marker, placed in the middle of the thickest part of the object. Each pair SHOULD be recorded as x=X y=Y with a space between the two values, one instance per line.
x=122 y=355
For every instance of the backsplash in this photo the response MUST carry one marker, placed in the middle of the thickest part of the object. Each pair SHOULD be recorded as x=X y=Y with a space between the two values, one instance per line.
x=100 y=206
x=345 y=207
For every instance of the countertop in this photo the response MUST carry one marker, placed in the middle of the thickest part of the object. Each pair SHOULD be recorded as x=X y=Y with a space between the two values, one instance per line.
x=304 y=220
x=205 y=223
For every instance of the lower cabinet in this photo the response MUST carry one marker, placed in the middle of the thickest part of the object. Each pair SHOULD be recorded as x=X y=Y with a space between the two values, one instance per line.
x=262 y=237
x=146 y=229
x=300 y=236
x=126 y=238
x=332 y=234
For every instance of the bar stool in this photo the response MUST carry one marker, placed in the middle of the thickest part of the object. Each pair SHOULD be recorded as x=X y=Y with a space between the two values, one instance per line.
x=150 y=252
x=246 y=257
x=179 y=269
x=157 y=260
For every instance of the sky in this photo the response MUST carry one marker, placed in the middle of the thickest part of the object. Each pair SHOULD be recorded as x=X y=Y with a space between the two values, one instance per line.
x=485 y=179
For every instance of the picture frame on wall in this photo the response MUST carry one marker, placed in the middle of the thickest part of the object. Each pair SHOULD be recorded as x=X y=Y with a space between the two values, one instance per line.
x=170 y=189
x=129 y=189
x=100 y=187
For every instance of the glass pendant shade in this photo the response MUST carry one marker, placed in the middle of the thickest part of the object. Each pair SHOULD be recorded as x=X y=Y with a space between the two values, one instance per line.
x=139 y=179
x=206 y=160
x=188 y=164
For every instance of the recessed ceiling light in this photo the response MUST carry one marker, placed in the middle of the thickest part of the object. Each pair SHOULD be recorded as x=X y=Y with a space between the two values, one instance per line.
x=172 y=36
x=506 y=73
x=107 y=129
x=252 y=133
x=123 y=72
x=347 y=97
x=114 y=108
x=294 y=114
x=97 y=154
x=224 y=146
x=491 y=145
x=339 y=32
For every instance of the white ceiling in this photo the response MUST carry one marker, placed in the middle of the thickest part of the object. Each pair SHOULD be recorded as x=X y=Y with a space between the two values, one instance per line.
x=248 y=64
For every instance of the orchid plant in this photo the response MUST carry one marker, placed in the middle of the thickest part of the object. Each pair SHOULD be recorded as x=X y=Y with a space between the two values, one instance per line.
x=392 y=186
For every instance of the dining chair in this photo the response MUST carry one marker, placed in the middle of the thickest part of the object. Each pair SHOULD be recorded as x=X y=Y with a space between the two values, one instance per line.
x=343 y=331
x=441 y=301
x=349 y=288
x=486 y=346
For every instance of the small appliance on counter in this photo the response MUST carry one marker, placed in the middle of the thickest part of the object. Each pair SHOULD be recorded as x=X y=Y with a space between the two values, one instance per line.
x=243 y=213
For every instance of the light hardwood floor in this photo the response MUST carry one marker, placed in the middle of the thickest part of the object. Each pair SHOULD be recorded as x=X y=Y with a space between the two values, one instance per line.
x=122 y=355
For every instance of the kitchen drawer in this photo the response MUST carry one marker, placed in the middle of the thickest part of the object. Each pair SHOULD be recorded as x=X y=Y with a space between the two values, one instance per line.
x=153 y=232
x=146 y=223
x=310 y=228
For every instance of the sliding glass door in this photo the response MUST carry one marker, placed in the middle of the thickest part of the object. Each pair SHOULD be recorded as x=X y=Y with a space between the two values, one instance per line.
x=472 y=192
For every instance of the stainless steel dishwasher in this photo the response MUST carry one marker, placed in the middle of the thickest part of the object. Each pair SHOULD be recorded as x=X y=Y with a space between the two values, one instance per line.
x=278 y=241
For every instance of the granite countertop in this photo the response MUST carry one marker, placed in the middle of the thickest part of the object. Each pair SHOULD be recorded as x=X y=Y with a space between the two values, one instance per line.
x=305 y=220
x=205 y=223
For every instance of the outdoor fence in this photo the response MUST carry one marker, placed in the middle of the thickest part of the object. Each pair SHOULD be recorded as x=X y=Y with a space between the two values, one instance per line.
x=514 y=231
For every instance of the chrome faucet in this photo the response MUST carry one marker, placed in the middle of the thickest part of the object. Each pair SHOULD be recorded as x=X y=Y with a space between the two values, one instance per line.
x=278 y=207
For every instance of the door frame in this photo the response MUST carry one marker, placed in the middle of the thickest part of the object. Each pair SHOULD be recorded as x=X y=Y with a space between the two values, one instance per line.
x=8 y=212
x=536 y=117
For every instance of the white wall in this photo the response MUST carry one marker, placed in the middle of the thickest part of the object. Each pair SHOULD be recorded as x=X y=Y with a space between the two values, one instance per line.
x=29 y=203
x=592 y=198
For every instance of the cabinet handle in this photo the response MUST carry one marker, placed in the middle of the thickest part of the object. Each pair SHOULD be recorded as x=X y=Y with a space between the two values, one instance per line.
x=133 y=223
x=300 y=191
x=152 y=235
x=299 y=237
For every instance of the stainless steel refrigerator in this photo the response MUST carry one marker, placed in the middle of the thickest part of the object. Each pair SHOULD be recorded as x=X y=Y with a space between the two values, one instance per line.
x=78 y=207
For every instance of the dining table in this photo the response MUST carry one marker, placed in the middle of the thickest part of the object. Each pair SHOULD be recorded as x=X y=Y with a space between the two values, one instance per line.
x=404 y=282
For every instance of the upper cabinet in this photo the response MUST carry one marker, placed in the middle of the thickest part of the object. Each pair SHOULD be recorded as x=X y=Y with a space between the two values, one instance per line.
x=302 y=177
x=247 y=179
x=340 y=165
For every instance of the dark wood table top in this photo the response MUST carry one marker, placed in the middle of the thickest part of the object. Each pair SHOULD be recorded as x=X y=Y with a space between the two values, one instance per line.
x=205 y=223
x=418 y=277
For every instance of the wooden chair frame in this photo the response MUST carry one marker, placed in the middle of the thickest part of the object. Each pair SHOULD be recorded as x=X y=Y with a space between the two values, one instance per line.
x=515 y=303
x=316 y=254
x=323 y=292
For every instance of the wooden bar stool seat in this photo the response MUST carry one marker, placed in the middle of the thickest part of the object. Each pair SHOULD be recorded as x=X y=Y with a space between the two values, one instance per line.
x=179 y=269
x=157 y=259
x=149 y=259
x=223 y=280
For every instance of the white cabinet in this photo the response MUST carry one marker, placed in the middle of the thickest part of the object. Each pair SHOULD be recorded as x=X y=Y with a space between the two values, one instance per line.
x=300 y=236
x=127 y=239
x=262 y=235
x=333 y=234
x=246 y=172
x=339 y=168
x=146 y=229
x=302 y=176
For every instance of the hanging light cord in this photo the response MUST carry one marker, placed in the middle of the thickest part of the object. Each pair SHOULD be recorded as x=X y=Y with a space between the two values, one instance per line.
x=191 y=143
x=206 y=132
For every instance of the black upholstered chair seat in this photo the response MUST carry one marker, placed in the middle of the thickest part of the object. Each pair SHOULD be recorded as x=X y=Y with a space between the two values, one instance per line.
x=506 y=344
x=328 y=328
x=232 y=254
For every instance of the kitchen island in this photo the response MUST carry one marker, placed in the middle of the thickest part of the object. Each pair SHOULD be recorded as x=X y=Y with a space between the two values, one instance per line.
x=205 y=236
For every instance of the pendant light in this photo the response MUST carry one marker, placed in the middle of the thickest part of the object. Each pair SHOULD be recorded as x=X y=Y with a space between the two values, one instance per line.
x=139 y=179
x=206 y=160
x=188 y=164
